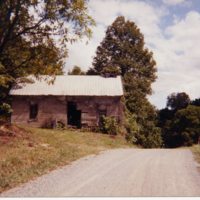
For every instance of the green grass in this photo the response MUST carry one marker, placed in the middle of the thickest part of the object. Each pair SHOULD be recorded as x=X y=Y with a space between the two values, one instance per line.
x=42 y=150
x=196 y=150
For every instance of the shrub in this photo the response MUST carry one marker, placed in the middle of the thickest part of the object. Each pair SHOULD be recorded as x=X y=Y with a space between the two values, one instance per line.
x=150 y=136
x=132 y=128
x=60 y=124
x=5 y=112
x=147 y=136
x=109 y=125
x=5 y=109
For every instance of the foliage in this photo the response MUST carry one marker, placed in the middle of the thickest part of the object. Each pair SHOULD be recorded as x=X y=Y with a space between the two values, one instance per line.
x=60 y=125
x=180 y=121
x=195 y=102
x=109 y=125
x=34 y=35
x=110 y=71
x=196 y=150
x=147 y=136
x=123 y=49
x=5 y=109
x=76 y=71
x=122 y=52
x=177 y=101
x=150 y=136
x=132 y=128
x=185 y=127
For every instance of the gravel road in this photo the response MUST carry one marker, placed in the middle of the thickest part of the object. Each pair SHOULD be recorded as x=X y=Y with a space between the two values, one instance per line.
x=120 y=172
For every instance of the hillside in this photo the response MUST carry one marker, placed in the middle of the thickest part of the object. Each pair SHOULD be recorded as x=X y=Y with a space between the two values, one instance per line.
x=30 y=152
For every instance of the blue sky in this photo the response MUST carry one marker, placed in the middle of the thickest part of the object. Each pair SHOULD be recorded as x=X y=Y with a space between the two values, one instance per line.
x=172 y=32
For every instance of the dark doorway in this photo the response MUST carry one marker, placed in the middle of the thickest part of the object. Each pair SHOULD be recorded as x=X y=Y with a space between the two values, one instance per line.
x=73 y=115
x=33 y=111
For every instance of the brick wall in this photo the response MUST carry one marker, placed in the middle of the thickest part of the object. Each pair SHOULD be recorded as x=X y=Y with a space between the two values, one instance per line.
x=55 y=107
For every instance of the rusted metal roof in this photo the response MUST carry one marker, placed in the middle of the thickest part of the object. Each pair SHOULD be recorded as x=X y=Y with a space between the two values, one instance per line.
x=72 y=85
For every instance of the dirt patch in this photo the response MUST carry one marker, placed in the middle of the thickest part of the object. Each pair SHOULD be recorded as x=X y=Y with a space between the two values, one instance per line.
x=9 y=132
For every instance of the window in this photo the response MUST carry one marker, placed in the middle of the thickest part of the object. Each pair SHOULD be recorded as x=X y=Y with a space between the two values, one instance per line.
x=33 y=111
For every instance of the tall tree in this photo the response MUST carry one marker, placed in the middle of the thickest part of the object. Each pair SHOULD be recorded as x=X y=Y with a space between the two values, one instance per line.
x=34 y=36
x=177 y=101
x=123 y=52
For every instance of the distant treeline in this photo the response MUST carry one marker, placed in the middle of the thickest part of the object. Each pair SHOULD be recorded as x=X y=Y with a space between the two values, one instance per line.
x=180 y=120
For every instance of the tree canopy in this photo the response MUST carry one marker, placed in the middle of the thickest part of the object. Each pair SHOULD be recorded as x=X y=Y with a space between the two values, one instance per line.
x=180 y=120
x=34 y=36
x=123 y=52
x=76 y=71
x=176 y=101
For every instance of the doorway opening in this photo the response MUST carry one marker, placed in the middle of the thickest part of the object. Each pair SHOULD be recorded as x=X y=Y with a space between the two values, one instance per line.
x=73 y=115
x=33 y=111
x=102 y=114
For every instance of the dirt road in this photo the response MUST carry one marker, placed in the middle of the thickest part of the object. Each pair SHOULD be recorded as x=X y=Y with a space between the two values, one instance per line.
x=121 y=172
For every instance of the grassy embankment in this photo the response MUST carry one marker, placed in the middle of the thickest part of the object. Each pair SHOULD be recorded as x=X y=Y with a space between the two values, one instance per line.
x=32 y=152
x=196 y=150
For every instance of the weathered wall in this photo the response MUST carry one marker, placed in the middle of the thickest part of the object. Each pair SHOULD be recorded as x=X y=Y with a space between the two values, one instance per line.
x=90 y=107
x=52 y=107
x=49 y=107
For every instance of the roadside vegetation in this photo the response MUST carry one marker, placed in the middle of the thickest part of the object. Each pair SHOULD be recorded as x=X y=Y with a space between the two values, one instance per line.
x=196 y=151
x=30 y=152
x=180 y=121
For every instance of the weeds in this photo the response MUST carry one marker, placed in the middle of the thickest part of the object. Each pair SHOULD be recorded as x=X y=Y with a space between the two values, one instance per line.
x=41 y=150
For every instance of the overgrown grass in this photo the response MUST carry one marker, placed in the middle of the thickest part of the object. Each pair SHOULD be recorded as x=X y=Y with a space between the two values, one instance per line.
x=22 y=159
x=196 y=150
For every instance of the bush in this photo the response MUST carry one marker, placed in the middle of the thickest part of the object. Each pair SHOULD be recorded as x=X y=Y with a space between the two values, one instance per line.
x=147 y=136
x=60 y=124
x=5 y=112
x=153 y=139
x=132 y=128
x=109 y=125
x=5 y=109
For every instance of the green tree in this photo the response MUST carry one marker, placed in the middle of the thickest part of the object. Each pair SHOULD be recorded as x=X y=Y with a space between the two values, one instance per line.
x=177 y=101
x=76 y=71
x=180 y=120
x=122 y=52
x=34 y=36
x=184 y=129
x=196 y=102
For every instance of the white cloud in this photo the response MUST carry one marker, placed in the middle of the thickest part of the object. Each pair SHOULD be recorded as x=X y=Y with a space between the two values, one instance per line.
x=176 y=48
x=178 y=60
x=104 y=12
x=173 y=2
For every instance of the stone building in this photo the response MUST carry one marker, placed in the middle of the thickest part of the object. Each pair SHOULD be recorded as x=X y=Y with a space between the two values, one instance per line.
x=77 y=101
